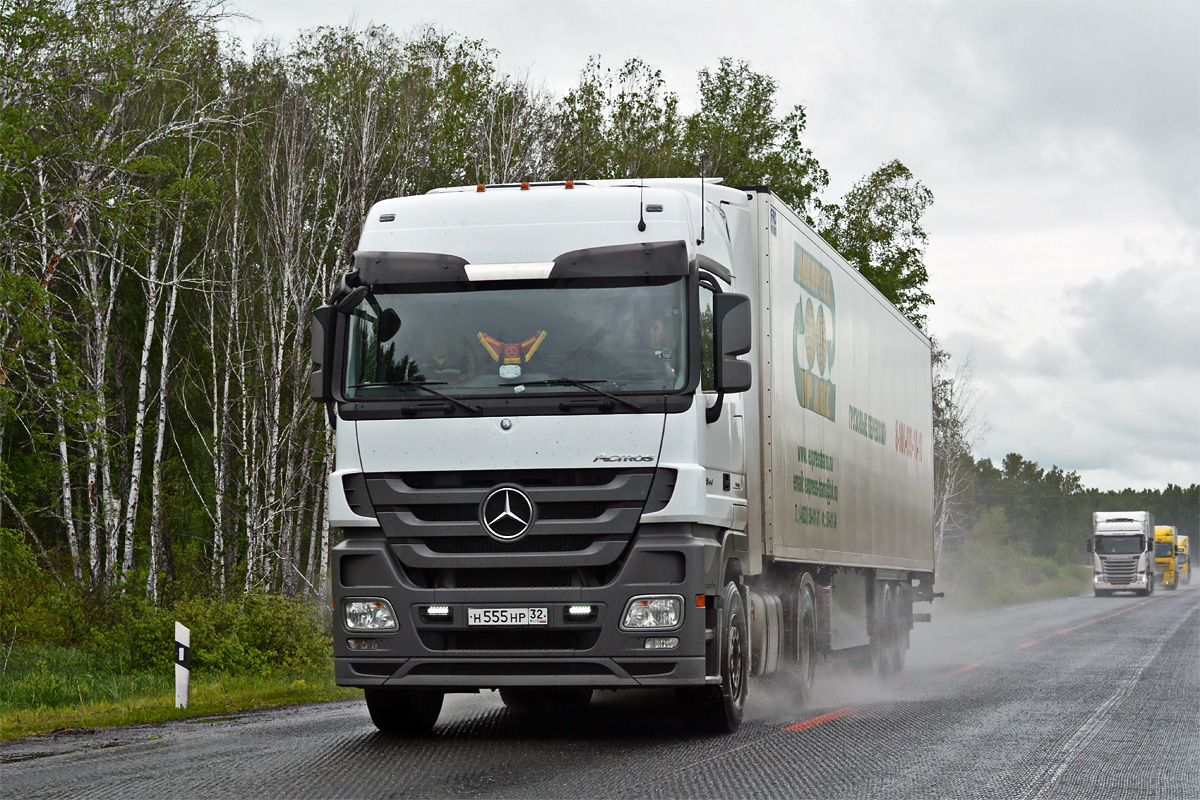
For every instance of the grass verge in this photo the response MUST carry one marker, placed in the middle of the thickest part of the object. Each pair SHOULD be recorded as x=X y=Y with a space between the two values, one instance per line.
x=210 y=694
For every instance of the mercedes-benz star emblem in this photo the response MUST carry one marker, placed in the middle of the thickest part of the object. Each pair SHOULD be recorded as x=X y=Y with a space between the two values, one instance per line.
x=507 y=513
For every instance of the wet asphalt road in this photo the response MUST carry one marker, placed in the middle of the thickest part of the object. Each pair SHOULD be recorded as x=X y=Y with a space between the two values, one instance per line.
x=1075 y=698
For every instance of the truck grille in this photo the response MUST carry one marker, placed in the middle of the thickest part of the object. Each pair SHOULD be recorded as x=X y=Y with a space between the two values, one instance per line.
x=584 y=521
x=1119 y=572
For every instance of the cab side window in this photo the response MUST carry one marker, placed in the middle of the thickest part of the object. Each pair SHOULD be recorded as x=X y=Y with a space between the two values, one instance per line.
x=708 y=382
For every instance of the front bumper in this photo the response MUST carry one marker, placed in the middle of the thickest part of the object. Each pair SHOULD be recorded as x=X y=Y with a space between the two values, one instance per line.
x=567 y=651
x=1140 y=583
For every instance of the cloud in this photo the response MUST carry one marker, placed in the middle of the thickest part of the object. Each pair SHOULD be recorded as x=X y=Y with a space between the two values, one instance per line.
x=1112 y=392
x=1140 y=322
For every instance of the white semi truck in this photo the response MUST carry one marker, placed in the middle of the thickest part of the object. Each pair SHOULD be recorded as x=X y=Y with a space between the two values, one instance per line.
x=613 y=435
x=1122 y=551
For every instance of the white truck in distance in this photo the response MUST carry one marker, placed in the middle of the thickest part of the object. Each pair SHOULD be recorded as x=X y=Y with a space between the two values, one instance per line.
x=1122 y=550
x=613 y=435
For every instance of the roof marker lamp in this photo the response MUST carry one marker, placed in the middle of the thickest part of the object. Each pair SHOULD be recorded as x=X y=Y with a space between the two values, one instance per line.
x=653 y=612
x=369 y=614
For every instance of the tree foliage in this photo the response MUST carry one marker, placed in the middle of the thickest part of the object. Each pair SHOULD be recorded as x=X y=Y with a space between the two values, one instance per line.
x=877 y=228
x=1048 y=513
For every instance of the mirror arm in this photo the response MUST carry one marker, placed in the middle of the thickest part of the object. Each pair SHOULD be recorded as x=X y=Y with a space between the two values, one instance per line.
x=713 y=412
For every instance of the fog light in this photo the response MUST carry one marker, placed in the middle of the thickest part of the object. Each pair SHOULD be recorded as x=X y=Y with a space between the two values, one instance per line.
x=653 y=611
x=579 y=611
x=662 y=643
x=362 y=644
x=369 y=614
x=438 y=611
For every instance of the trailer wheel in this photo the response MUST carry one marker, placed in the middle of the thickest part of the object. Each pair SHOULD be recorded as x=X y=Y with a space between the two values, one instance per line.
x=405 y=711
x=721 y=708
x=806 y=643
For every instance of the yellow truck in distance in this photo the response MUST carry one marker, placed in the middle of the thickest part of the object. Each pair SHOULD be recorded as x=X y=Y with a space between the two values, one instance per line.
x=1164 y=555
x=1183 y=566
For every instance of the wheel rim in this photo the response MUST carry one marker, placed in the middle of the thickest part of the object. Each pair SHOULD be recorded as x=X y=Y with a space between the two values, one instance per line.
x=735 y=659
x=807 y=665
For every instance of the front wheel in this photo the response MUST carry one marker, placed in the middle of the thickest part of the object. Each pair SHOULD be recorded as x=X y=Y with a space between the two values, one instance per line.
x=721 y=708
x=405 y=711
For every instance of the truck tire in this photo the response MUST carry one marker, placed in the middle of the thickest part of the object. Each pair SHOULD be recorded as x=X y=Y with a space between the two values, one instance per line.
x=1171 y=586
x=720 y=708
x=1105 y=592
x=405 y=711
x=804 y=666
x=560 y=698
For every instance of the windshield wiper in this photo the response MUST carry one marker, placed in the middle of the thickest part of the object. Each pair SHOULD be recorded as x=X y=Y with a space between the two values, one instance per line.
x=425 y=385
x=582 y=384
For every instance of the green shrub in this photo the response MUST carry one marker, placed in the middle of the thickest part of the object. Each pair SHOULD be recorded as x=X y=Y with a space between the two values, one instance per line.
x=34 y=607
x=256 y=633
x=134 y=634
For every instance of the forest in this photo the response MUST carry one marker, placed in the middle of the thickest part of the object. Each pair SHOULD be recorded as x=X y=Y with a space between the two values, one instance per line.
x=172 y=211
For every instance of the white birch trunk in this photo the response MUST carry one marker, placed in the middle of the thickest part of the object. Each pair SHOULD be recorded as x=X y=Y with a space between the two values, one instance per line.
x=133 y=493
x=64 y=462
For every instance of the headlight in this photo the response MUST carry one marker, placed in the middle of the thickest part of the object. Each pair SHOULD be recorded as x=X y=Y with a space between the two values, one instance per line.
x=660 y=612
x=369 y=614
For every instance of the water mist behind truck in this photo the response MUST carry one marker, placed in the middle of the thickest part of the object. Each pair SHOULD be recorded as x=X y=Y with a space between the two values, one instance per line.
x=614 y=435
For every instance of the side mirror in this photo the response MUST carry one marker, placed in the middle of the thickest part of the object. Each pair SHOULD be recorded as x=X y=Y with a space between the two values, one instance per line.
x=351 y=300
x=320 y=383
x=732 y=336
x=1089 y=545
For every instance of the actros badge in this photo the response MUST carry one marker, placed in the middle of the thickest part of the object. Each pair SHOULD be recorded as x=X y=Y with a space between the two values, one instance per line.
x=507 y=513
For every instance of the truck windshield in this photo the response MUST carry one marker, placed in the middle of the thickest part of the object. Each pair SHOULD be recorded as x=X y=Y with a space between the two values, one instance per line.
x=1118 y=545
x=512 y=338
x=1163 y=550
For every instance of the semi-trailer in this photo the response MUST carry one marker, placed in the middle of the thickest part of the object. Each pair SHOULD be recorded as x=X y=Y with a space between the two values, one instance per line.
x=1122 y=552
x=1183 y=564
x=617 y=434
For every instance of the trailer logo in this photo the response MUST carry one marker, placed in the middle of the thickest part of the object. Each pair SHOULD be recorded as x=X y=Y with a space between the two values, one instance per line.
x=507 y=513
x=813 y=335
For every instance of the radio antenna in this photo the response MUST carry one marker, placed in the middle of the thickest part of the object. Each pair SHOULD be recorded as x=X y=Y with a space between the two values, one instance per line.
x=701 y=239
x=641 y=205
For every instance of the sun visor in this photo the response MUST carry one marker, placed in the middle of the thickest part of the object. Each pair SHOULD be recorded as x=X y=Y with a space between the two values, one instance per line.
x=380 y=267
x=651 y=259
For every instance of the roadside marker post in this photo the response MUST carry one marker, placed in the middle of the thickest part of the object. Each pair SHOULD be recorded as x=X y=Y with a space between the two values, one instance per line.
x=183 y=664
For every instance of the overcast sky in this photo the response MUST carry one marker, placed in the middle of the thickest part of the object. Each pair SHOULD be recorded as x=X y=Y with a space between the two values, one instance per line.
x=1061 y=141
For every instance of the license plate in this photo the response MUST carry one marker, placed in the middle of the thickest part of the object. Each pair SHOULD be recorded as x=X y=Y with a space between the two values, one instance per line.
x=507 y=616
